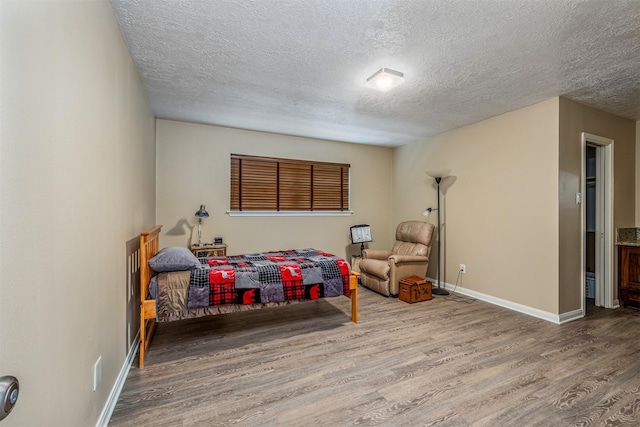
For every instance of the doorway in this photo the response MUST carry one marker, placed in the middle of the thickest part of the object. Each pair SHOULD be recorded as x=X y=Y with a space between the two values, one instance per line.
x=597 y=223
x=590 y=230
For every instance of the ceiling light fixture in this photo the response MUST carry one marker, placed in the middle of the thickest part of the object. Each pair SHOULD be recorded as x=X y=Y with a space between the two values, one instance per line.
x=385 y=79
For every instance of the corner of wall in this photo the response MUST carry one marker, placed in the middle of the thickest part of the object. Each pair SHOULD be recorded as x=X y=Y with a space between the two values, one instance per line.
x=638 y=173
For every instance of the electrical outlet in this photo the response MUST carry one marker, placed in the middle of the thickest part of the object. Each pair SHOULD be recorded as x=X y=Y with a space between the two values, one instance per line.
x=463 y=268
x=97 y=373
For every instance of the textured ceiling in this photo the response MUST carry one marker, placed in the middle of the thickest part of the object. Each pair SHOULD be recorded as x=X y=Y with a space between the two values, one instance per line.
x=299 y=67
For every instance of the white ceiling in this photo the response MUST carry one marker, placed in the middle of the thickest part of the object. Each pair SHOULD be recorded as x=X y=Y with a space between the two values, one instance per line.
x=299 y=67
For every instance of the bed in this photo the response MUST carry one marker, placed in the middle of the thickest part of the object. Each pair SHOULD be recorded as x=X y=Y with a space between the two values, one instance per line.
x=230 y=284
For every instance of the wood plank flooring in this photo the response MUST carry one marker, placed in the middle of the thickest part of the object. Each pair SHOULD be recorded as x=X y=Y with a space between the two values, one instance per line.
x=434 y=363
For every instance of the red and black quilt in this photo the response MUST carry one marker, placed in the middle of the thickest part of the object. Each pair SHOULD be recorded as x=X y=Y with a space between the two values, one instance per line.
x=296 y=274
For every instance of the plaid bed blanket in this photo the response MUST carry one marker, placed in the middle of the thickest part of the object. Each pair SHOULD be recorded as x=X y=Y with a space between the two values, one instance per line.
x=296 y=274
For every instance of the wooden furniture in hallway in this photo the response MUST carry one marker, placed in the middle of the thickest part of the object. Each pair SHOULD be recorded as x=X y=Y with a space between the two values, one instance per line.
x=629 y=276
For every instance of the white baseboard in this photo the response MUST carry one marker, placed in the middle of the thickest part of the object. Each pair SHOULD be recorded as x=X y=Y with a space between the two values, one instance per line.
x=107 y=411
x=569 y=316
x=540 y=314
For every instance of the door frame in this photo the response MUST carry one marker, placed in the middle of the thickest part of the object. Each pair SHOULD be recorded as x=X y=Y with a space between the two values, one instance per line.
x=604 y=205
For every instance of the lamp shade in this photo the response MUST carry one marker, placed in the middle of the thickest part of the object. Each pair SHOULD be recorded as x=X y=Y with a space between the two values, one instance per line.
x=361 y=233
x=438 y=173
x=202 y=213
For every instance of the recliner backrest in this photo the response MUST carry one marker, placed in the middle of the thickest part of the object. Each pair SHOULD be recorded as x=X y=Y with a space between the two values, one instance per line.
x=413 y=238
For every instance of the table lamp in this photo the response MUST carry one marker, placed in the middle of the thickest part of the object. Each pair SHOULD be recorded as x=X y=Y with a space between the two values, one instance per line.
x=201 y=214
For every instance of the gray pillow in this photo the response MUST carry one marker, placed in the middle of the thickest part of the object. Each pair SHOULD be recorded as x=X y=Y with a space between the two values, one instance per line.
x=174 y=258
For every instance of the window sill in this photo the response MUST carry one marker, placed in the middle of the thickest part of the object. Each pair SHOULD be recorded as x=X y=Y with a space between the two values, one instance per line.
x=289 y=213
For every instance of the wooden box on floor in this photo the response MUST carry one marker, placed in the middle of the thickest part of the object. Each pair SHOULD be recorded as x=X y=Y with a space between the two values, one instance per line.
x=414 y=289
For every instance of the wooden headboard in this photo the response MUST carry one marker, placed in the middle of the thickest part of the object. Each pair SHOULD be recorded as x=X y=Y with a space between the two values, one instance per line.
x=149 y=244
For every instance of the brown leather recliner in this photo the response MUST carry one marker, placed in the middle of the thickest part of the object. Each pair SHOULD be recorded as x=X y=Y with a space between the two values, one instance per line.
x=382 y=270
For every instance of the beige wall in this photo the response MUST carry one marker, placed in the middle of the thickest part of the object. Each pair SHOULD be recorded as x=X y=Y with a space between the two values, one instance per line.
x=76 y=183
x=193 y=169
x=574 y=119
x=500 y=204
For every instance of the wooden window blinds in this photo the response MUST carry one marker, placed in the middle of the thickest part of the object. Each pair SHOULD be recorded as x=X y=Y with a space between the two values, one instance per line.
x=272 y=184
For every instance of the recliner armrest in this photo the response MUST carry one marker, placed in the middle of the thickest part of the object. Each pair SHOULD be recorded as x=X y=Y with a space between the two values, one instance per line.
x=408 y=258
x=376 y=254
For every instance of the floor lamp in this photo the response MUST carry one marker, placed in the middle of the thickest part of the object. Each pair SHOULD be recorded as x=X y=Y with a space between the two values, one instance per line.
x=438 y=175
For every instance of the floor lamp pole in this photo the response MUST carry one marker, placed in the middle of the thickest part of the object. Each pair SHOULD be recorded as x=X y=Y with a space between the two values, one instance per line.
x=439 y=290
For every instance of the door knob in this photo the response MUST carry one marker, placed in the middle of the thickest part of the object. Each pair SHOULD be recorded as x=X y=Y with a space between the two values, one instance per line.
x=9 y=387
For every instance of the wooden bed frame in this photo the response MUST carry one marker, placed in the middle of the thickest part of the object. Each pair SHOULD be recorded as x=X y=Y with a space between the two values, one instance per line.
x=149 y=246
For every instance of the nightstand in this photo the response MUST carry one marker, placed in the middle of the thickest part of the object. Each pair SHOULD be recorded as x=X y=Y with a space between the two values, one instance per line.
x=209 y=250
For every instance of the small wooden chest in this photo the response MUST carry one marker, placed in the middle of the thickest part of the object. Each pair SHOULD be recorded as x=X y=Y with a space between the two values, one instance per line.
x=414 y=289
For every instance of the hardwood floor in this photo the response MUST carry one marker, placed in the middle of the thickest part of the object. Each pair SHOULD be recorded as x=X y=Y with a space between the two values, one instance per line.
x=434 y=363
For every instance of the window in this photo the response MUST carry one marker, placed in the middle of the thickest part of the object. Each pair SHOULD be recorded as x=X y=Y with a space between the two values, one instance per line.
x=285 y=185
